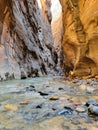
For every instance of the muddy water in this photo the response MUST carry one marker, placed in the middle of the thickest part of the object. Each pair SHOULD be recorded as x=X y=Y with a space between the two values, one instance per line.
x=47 y=103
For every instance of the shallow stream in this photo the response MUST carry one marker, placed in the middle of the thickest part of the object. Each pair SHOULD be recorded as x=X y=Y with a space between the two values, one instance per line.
x=47 y=103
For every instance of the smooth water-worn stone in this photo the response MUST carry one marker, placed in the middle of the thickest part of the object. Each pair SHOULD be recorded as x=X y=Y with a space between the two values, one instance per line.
x=25 y=102
x=11 y=107
x=65 y=112
x=60 y=88
x=54 y=97
x=93 y=109
x=80 y=109
x=43 y=93
x=39 y=106
x=91 y=102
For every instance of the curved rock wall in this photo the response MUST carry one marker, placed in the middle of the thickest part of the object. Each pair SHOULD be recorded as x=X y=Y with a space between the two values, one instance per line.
x=80 y=39
x=26 y=46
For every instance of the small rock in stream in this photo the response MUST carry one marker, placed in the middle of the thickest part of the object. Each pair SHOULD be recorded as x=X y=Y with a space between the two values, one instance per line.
x=60 y=88
x=65 y=112
x=93 y=109
x=91 y=102
x=31 y=86
x=54 y=109
x=10 y=107
x=71 y=108
x=80 y=109
x=24 y=102
x=54 y=98
x=47 y=86
x=43 y=94
x=39 y=106
x=30 y=89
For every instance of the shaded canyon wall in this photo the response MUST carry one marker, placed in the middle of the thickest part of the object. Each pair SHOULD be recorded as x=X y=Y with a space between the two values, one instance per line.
x=80 y=38
x=26 y=45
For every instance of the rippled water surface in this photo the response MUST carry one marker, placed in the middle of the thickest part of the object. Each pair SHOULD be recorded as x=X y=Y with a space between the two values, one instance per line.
x=26 y=103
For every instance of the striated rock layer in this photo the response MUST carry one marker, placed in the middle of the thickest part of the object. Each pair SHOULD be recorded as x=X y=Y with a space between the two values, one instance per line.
x=26 y=46
x=80 y=39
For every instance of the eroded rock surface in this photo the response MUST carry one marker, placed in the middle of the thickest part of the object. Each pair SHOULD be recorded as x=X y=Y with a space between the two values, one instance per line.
x=80 y=40
x=26 y=46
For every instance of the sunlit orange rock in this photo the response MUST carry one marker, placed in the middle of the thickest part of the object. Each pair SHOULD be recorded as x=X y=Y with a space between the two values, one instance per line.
x=80 y=37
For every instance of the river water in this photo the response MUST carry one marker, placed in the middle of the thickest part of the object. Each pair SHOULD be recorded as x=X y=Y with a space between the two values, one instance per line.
x=40 y=103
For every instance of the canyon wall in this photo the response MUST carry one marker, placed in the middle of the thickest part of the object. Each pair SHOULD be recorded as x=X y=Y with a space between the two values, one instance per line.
x=26 y=45
x=80 y=38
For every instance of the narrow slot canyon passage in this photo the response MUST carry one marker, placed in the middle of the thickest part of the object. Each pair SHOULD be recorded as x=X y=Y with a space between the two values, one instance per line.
x=57 y=29
x=48 y=65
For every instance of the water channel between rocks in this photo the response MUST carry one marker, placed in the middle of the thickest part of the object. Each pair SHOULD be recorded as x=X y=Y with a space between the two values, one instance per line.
x=47 y=103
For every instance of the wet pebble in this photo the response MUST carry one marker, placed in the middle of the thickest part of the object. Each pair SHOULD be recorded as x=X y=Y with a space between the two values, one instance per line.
x=50 y=92
x=47 y=86
x=39 y=106
x=30 y=88
x=65 y=112
x=69 y=107
x=91 y=102
x=60 y=88
x=43 y=93
x=93 y=109
x=10 y=107
x=54 y=97
x=24 y=102
x=54 y=109
x=80 y=109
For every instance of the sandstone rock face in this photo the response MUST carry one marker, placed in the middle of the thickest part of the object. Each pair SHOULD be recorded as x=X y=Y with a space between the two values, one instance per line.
x=26 y=46
x=80 y=40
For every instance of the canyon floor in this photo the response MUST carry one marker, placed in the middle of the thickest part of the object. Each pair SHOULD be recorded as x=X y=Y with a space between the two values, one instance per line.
x=48 y=103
